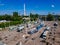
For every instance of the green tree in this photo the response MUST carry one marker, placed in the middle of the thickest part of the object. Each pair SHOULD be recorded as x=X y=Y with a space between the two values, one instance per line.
x=43 y=18
x=59 y=18
x=15 y=14
x=16 y=18
x=50 y=17
x=33 y=16
x=1 y=18
x=7 y=17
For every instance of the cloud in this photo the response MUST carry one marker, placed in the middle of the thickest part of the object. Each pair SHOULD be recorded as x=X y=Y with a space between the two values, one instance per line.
x=52 y=5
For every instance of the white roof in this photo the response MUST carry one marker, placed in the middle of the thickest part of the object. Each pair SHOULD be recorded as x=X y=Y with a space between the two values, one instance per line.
x=21 y=27
x=47 y=28
x=3 y=21
x=12 y=27
x=45 y=33
x=26 y=18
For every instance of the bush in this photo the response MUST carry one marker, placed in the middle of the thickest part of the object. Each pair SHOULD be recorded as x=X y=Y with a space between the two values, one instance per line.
x=50 y=17
x=59 y=18
x=6 y=24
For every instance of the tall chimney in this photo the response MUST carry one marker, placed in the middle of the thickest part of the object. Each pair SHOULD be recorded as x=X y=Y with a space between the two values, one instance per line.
x=24 y=10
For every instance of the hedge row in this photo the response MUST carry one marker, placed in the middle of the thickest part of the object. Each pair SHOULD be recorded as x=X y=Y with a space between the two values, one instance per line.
x=6 y=24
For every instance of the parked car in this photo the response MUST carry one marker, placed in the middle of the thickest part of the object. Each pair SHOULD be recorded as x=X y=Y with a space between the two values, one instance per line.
x=55 y=24
x=20 y=28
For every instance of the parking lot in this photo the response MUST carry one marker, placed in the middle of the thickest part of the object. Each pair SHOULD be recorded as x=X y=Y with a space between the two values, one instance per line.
x=14 y=38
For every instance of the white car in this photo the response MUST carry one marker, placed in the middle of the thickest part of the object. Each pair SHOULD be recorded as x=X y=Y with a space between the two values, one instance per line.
x=45 y=34
x=20 y=28
x=12 y=27
x=47 y=28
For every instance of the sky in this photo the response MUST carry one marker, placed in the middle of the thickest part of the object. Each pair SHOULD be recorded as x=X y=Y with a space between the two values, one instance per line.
x=41 y=7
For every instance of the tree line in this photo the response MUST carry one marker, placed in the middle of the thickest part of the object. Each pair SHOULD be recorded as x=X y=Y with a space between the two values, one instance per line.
x=49 y=17
x=18 y=19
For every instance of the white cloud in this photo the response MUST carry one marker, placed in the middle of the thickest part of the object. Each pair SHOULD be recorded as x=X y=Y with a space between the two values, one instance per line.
x=52 y=5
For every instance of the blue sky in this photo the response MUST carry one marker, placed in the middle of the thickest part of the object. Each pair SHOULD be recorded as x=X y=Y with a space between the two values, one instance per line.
x=34 y=6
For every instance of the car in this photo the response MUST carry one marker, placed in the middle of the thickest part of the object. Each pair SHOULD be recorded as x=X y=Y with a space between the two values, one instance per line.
x=20 y=28
x=45 y=34
x=34 y=30
x=55 y=24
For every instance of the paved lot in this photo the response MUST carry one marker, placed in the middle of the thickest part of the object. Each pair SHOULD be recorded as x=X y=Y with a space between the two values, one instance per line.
x=14 y=37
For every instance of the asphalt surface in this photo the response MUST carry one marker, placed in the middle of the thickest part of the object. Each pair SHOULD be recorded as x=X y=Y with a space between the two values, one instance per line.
x=14 y=37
